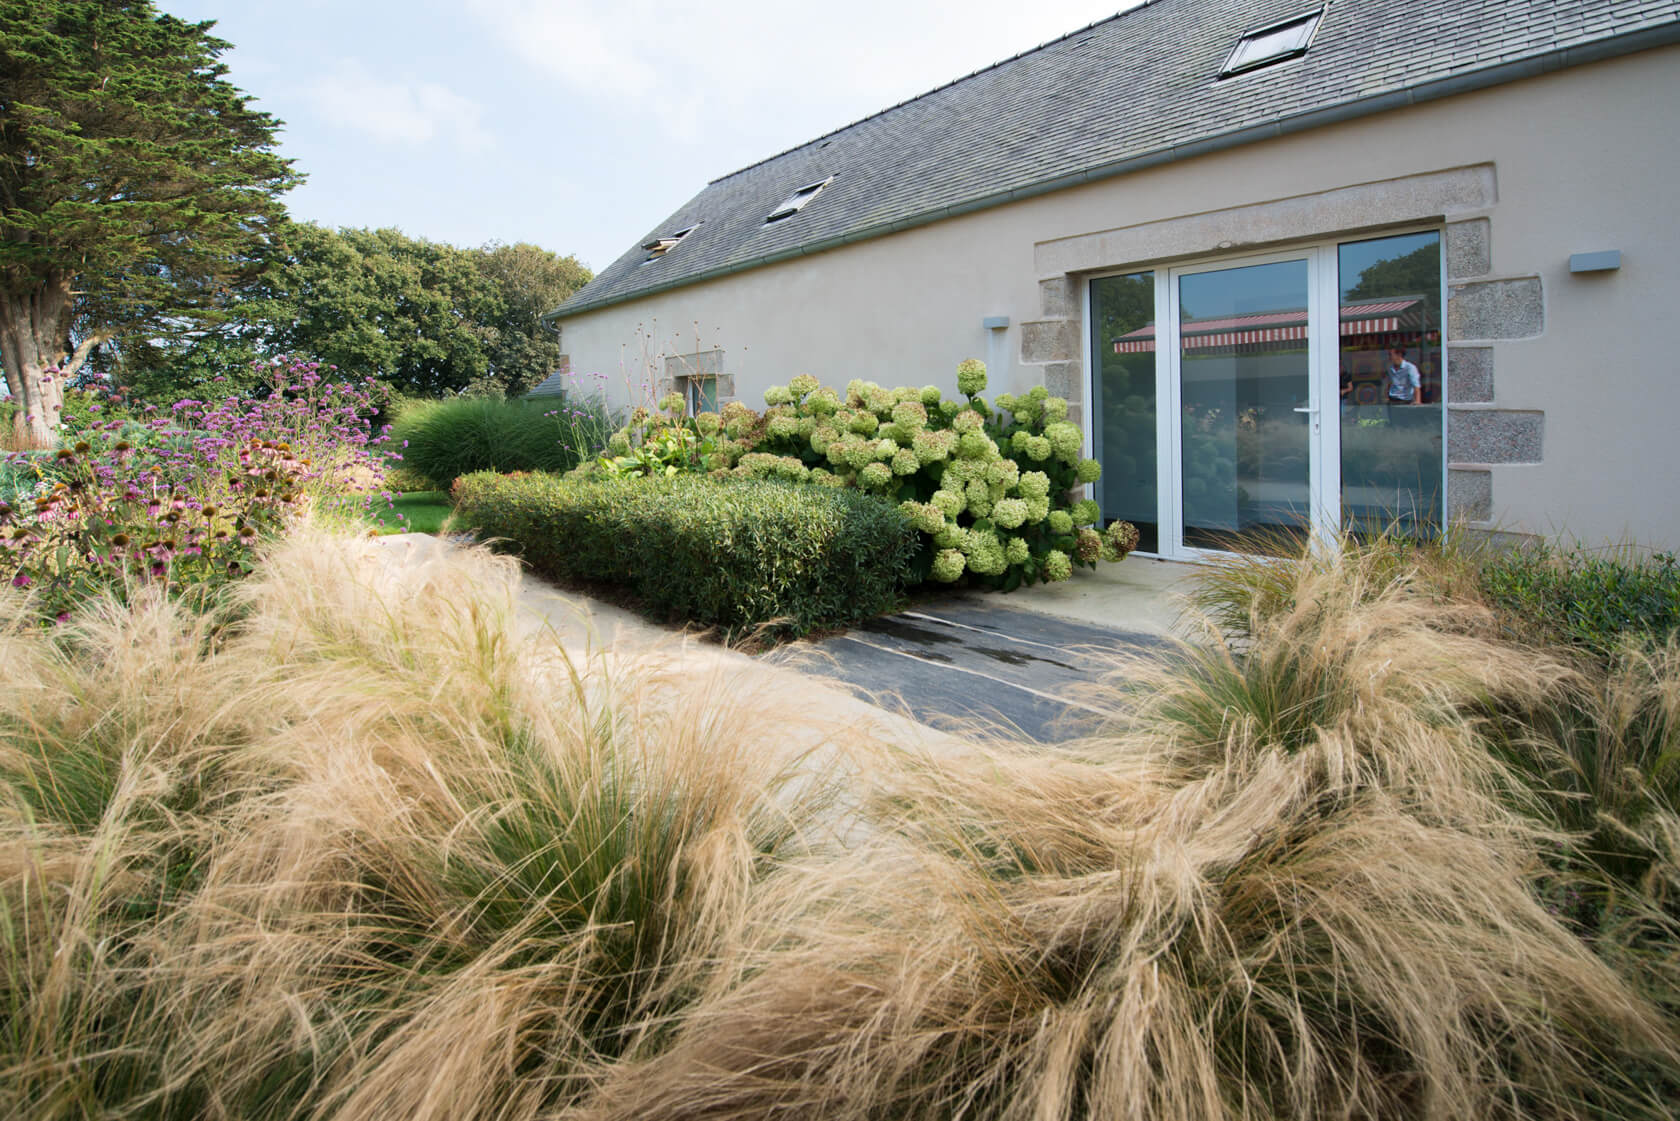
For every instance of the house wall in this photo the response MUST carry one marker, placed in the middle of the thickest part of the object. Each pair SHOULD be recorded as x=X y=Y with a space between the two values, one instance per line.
x=1559 y=384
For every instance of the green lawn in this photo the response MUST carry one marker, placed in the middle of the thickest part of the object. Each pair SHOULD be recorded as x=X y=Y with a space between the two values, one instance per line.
x=422 y=511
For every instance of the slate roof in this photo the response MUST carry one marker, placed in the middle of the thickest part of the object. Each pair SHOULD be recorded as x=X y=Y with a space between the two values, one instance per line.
x=1137 y=89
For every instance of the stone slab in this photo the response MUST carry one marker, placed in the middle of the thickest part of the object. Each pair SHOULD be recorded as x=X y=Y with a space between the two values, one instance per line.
x=1495 y=436
x=1496 y=309
x=1469 y=374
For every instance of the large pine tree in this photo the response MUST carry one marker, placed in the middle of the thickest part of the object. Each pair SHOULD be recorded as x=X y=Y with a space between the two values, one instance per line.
x=135 y=183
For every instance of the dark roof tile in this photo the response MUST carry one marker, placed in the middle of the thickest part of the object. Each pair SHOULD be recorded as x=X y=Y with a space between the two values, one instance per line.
x=1141 y=82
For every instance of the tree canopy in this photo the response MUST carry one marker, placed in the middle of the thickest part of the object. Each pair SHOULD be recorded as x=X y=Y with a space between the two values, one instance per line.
x=136 y=184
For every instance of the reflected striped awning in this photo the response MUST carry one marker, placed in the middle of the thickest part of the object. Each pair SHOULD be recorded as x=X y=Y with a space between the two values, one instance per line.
x=1373 y=318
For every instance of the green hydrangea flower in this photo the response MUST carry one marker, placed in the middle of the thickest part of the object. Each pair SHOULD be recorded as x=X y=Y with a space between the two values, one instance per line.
x=875 y=475
x=1088 y=471
x=985 y=554
x=930 y=395
x=949 y=537
x=971 y=377
x=1061 y=522
x=860 y=455
x=802 y=385
x=948 y=566
x=1057 y=566
x=822 y=476
x=949 y=503
x=968 y=421
x=1088 y=546
x=1015 y=550
x=708 y=423
x=840 y=451
x=673 y=404
x=976 y=445
x=949 y=408
x=824 y=402
x=1009 y=512
x=1037 y=510
x=1003 y=473
x=1025 y=411
x=1038 y=448
x=1065 y=440
x=910 y=415
x=931 y=447
x=821 y=437
x=619 y=443
x=778 y=395
x=864 y=423
x=877 y=400
x=784 y=427
x=979 y=498
x=1054 y=409
x=904 y=462
x=1033 y=484
x=1086 y=511
x=923 y=516
x=855 y=390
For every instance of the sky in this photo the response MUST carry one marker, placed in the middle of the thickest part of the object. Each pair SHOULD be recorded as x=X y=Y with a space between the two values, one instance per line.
x=580 y=124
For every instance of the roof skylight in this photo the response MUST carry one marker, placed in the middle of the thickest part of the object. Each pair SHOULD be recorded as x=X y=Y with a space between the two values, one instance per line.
x=795 y=202
x=664 y=243
x=1273 y=43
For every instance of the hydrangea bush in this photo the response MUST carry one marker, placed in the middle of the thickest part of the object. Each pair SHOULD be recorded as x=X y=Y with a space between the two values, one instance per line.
x=992 y=489
x=183 y=496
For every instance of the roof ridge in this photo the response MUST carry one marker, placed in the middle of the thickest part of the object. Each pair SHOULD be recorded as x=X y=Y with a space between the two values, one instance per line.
x=1048 y=43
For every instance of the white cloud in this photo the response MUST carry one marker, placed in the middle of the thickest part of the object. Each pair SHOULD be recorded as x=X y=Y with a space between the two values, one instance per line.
x=398 y=112
x=758 y=65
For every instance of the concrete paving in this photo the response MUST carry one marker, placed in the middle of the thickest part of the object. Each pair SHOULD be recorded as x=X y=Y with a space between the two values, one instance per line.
x=970 y=661
x=916 y=680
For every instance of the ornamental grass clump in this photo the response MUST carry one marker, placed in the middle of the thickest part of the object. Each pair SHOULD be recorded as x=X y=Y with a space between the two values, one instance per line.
x=1293 y=880
x=376 y=851
x=992 y=490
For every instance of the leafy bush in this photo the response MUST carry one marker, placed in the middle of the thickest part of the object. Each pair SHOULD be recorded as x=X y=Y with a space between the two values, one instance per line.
x=181 y=498
x=991 y=490
x=1591 y=600
x=443 y=440
x=735 y=553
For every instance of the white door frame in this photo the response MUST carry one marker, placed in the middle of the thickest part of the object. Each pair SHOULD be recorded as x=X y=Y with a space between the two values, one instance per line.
x=1324 y=367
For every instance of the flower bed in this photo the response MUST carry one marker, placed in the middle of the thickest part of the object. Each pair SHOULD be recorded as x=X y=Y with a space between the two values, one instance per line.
x=182 y=496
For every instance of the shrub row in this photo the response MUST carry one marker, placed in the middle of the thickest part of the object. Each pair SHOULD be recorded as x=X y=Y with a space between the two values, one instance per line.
x=443 y=440
x=1586 y=599
x=993 y=489
x=734 y=553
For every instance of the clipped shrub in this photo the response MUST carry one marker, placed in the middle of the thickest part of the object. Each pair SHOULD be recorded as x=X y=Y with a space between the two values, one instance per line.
x=734 y=553
x=991 y=490
x=1588 y=599
x=443 y=440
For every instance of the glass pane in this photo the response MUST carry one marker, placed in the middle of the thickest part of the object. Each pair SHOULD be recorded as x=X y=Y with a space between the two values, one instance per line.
x=702 y=395
x=1123 y=349
x=1243 y=367
x=1272 y=44
x=1391 y=401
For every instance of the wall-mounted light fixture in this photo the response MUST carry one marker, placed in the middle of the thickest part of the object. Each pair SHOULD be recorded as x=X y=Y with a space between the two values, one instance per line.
x=1605 y=260
x=995 y=322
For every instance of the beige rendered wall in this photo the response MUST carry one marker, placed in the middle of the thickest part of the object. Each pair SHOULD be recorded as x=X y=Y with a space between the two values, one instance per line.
x=1563 y=385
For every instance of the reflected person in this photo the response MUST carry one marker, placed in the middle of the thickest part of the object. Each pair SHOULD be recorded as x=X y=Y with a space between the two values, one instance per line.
x=1402 y=381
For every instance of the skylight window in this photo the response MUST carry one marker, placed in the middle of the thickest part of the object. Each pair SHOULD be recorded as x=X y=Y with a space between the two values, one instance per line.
x=1273 y=43
x=795 y=202
x=664 y=243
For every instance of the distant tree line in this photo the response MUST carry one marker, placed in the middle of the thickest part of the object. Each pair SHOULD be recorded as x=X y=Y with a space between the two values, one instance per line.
x=143 y=237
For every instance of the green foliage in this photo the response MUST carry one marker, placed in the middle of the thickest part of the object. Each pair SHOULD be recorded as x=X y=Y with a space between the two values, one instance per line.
x=1587 y=599
x=734 y=553
x=443 y=440
x=138 y=183
x=990 y=489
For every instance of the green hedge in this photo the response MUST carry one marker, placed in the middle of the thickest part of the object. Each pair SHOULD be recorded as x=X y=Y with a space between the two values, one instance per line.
x=1594 y=600
x=734 y=553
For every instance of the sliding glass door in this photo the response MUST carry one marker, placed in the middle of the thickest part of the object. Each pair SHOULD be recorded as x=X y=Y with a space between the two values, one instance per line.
x=1248 y=404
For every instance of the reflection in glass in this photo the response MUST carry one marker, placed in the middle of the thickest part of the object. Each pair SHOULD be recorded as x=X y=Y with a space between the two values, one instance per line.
x=1390 y=383
x=1243 y=366
x=1121 y=307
